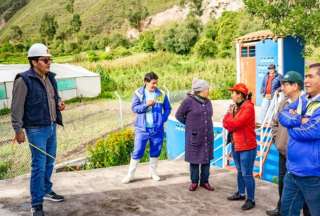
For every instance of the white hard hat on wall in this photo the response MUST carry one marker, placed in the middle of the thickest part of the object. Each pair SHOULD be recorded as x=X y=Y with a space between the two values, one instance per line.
x=38 y=50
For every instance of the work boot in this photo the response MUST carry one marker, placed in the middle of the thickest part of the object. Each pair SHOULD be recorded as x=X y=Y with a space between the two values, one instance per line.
x=236 y=196
x=249 y=204
x=132 y=168
x=273 y=212
x=153 y=169
x=37 y=211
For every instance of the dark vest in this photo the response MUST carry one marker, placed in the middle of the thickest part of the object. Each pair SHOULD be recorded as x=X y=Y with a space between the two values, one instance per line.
x=36 y=107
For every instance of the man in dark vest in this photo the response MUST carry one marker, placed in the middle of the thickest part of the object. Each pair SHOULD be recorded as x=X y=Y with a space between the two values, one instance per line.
x=36 y=107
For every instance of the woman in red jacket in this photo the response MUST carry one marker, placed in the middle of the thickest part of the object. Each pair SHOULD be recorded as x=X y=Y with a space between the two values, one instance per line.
x=240 y=123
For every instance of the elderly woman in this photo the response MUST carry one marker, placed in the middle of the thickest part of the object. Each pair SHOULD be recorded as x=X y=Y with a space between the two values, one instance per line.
x=240 y=123
x=196 y=113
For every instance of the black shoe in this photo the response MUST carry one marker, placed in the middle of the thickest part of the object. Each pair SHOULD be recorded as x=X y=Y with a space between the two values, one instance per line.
x=274 y=212
x=236 y=196
x=52 y=196
x=37 y=211
x=248 y=205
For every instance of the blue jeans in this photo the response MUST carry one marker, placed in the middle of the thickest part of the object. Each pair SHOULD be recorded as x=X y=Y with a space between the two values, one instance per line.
x=155 y=139
x=204 y=175
x=298 y=190
x=263 y=110
x=42 y=166
x=244 y=162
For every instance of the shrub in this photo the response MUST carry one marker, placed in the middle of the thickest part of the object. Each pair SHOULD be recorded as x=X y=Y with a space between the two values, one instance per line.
x=146 y=42
x=112 y=151
x=205 y=47
x=4 y=169
x=120 y=52
x=117 y=40
x=181 y=38
x=4 y=111
x=92 y=56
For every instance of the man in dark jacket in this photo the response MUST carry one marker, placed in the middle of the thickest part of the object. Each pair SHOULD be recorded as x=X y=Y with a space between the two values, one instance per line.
x=291 y=85
x=302 y=119
x=36 y=107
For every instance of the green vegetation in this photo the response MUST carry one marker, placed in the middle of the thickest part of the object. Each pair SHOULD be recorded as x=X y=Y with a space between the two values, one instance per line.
x=297 y=18
x=115 y=150
x=176 y=72
x=4 y=169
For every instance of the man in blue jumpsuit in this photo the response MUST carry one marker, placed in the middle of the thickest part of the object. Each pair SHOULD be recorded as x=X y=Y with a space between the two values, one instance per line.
x=153 y=108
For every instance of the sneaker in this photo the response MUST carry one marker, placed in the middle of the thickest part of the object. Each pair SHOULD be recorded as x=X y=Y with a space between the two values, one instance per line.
x=207 y=186
x=236 y=196
x=273 y=212
x=249 y=204
x=37 y=211
x=193 y=187
x=52 y=196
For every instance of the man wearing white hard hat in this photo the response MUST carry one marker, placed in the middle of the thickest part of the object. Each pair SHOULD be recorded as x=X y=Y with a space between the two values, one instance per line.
x=36 y=108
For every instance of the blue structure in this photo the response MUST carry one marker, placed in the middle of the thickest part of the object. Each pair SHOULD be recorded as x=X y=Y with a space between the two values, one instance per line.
x=255 y=51
x=175 y=136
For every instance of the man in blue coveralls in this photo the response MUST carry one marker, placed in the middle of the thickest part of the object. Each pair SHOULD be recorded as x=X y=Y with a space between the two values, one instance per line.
x=153 y=108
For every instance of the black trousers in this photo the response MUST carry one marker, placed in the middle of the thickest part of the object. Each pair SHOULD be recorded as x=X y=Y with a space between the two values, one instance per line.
x=196 y=175
x=282 y=173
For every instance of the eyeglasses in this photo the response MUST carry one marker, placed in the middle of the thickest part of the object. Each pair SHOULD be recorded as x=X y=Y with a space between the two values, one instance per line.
x=45 y=60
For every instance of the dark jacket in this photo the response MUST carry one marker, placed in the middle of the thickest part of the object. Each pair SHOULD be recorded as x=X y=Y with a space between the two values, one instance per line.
x=276 y=84
x=36 y=108
x=161 y=110
x=197 y=116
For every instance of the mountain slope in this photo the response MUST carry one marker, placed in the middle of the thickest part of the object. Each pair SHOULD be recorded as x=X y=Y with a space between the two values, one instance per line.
x=98 y=16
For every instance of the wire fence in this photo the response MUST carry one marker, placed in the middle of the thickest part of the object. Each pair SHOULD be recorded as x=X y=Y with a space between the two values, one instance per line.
x=84 y=123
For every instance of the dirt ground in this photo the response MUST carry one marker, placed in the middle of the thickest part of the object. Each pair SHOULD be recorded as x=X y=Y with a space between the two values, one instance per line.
x=99 y=192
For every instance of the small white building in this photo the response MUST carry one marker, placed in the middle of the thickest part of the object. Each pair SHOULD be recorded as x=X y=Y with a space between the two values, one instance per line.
x=73 y=81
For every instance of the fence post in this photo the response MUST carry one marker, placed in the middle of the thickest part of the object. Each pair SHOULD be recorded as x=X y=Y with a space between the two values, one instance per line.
x=120 y=109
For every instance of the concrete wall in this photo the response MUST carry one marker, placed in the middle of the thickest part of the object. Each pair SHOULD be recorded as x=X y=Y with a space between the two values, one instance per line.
x=88 y=86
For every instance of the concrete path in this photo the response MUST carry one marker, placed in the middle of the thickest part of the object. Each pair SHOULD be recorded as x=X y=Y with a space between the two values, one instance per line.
x=99 y=192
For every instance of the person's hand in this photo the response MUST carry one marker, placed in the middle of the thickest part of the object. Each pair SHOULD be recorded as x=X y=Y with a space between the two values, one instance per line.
x=304 y=120
x=151 y=102
x=293 y=112
x=20 y=137
x=61 y=106
x=231 y=108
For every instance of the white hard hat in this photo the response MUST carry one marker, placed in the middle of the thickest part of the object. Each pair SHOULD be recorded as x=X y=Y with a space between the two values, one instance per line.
x=38 y=50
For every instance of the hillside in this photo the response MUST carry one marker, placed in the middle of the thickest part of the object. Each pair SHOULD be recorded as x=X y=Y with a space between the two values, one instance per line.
x=97 y=16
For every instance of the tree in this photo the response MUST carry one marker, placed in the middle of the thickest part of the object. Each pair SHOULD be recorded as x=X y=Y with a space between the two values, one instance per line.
x=76 y=23
x=136 y=13
x=299 y=18
x=16 y=33
x=48 y=27
x=196 y=6
x=70 y=6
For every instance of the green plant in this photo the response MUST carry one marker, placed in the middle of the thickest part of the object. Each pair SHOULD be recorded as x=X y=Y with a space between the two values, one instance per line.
x=92 y=56
x=146 y=41
x=136 y=13
x=205 y=47
x=120 y=52
x=181 y=38
x=112 y=151
x=4 y=169
x=4 y=111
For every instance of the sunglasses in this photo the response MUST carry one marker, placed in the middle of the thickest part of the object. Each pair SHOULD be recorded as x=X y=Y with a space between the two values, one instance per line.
x=45 y=60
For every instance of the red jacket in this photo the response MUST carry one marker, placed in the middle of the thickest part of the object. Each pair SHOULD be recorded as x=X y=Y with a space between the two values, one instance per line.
x=242 y=127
